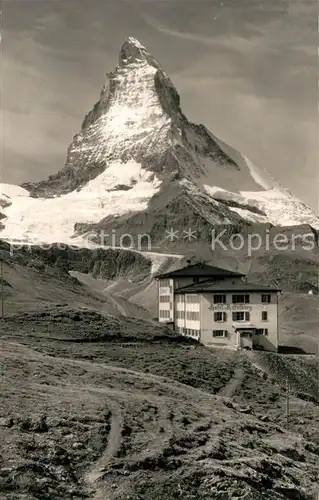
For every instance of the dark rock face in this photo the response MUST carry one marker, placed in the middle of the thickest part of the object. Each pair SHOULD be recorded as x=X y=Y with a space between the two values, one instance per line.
x=173 y=207
x=100 y=263
x=167 y=93
x=5 y=202
x=66 y=180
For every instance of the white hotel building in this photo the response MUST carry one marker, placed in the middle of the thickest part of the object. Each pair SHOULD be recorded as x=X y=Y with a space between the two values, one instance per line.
x=219 y=307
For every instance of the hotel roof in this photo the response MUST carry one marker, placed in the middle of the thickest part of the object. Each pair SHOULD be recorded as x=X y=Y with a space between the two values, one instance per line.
x=228 y=285
x=200 y=270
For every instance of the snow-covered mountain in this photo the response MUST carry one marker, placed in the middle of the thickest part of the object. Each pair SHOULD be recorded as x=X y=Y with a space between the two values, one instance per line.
x=137 y=154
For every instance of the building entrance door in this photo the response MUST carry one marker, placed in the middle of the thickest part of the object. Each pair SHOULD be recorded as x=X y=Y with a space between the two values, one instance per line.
x=246 y=341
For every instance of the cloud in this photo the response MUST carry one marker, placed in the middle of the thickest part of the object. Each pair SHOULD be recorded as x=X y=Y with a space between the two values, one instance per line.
x=175 y=33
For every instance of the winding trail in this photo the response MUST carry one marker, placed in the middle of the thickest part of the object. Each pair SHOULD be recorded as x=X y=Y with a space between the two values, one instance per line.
x=233 y=384
x=113 y=444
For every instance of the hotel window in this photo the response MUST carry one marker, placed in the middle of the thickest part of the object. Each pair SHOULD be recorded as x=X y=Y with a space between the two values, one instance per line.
x=264 y=315
x=164 y=314
x=220 y=299
x=192 y=299
x=240 y=299
x=164 y=298
x=192 y=315
x=164 y=283
x=180 y=314
x=241 y=316
x=194 y=333
x=220 y=333
x=220 y=317
x=266 y=298
x=262 y=331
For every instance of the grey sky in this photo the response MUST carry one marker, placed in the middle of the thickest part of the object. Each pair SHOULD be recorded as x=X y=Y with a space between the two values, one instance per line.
x=246 y=69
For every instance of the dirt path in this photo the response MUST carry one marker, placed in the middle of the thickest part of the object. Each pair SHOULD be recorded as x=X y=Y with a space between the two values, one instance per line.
x=113 y=444
x=119 y=306
x=233 y=384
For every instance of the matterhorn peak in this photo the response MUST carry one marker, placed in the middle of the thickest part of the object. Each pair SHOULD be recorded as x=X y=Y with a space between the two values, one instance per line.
x=132 y=50
x=132 y=42
x=136 y=143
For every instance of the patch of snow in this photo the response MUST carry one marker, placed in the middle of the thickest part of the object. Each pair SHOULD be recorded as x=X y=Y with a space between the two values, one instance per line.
x=264 y=180
x=52 y=220
x=136 y=108
x=213 y=190
x=281 y=208
x=134 y=116
x=249 y=215
x=125 y=174
x=11 y=190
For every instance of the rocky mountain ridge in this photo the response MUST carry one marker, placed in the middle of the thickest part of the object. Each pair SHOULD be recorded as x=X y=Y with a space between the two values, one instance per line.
x=137 y=157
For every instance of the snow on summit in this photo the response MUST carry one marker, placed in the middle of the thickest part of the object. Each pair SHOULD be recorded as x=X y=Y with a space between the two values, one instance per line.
x=134 y=111
x=133 y=144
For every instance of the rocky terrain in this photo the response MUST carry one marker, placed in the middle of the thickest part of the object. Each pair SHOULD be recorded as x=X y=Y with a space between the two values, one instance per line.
x=94 y=408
